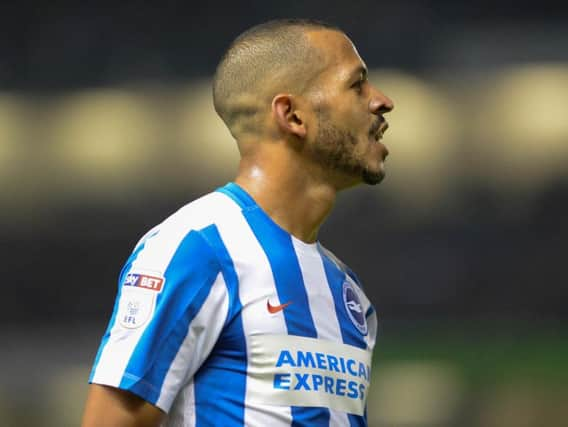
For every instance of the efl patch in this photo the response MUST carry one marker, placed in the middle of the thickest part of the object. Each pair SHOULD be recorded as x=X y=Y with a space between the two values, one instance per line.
x=144 y=281
x=136 y=307
x=354 y=308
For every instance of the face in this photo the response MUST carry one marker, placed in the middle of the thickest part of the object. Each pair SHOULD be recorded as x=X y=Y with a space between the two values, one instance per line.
x=348 y=115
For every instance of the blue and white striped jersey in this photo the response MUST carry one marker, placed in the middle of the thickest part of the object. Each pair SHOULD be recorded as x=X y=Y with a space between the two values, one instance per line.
x=222 y=318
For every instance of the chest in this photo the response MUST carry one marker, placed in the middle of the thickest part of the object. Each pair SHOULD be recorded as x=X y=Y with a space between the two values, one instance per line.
x=300 y=296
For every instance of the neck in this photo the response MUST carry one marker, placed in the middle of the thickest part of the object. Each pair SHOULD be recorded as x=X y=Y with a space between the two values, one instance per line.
x=293 y=197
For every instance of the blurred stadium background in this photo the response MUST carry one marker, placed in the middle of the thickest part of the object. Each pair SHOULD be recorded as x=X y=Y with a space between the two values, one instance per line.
x=106 y=127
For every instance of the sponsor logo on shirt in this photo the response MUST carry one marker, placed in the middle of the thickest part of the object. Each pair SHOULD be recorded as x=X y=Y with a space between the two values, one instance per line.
x=144 y=281
x=276 y=308
x=354 y=308
x=299 y=371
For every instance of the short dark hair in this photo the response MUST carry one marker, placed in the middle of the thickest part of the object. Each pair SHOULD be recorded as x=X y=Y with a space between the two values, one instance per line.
x=273 y=55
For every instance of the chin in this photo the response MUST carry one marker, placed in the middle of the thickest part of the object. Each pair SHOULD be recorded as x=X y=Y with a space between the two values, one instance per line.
x=373 y=177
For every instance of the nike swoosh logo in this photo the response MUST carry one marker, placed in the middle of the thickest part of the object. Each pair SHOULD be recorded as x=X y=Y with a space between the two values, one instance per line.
x=276 y=308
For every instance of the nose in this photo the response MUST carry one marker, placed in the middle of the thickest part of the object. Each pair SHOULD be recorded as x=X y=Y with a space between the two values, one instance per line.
x=380 y=103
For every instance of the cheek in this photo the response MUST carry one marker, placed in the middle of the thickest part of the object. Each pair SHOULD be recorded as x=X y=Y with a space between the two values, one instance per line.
x=313 y=129
x=359 y=124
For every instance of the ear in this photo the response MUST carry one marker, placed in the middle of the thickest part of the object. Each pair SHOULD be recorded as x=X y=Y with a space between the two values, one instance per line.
x=288 y=117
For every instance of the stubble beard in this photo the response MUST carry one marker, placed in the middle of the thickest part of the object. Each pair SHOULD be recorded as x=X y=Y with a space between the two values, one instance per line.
x=334 y=149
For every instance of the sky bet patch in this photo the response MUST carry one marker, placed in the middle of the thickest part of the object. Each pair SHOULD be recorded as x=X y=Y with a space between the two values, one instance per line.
x=144 y=281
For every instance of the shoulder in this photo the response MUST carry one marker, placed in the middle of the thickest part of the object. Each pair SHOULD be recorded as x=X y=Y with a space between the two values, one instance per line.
x=182 y=233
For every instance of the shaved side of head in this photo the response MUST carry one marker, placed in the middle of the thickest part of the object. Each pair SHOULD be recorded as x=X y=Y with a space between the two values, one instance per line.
x=270 y=58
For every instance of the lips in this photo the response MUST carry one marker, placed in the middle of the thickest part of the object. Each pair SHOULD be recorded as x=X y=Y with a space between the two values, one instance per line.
x=378 y=129
x=377 y=132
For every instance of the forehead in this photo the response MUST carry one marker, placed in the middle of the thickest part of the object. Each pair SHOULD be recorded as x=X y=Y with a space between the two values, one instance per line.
x=337 y=51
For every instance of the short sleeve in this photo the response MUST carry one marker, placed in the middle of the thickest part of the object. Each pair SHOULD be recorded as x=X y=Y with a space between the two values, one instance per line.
x=170 y=309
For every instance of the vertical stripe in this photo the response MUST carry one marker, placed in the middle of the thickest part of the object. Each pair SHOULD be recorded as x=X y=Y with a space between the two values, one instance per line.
x=318 y=291
x=336 y=278
x=349 y=333
x=255 y=287
x=182 y=412
x=321 y=304
x=278 y=246
x=202 y=334
x=223 y=375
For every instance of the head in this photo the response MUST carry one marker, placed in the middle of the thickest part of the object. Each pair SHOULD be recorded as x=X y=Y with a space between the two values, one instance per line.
x=303 y=84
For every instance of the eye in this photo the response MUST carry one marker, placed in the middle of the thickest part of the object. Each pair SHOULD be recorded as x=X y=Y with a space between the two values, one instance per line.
x=358 y=85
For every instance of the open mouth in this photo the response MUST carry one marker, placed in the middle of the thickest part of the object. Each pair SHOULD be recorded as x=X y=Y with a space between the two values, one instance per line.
x=380 y=131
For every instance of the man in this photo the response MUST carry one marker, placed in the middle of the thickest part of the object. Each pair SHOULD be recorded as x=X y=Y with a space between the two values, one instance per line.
x=230 y=312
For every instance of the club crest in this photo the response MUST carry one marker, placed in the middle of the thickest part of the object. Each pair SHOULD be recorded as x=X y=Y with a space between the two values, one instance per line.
x=354 y=308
